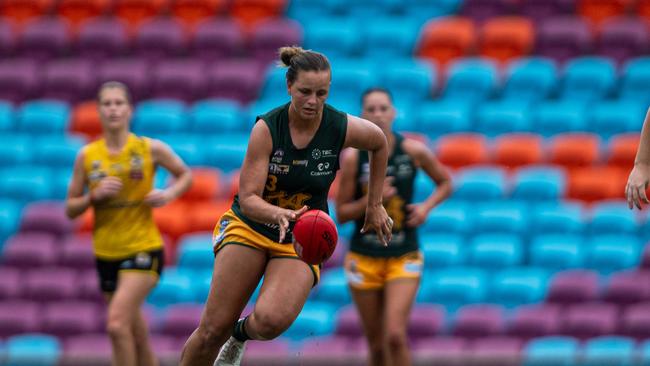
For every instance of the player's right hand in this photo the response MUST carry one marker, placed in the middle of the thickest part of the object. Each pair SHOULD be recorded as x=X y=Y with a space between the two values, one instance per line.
x=284 y=216
x=637 y=183
x=107 y=188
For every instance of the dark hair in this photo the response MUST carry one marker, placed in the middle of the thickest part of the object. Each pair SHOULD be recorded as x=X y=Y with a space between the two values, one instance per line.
x=376 y=89
x=296 y=59
x=116 y=85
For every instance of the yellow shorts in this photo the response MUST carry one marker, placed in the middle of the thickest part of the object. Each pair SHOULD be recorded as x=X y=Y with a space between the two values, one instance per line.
x=371 y=273
x=232 y=230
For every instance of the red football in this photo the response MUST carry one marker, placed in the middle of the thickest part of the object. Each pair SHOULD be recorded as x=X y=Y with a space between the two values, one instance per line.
x=315 y=236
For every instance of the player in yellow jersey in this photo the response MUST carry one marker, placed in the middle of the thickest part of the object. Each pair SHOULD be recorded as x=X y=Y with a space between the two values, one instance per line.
x=118 y=170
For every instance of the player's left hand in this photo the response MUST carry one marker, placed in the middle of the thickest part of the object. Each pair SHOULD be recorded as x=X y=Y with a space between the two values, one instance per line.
x=157 y=198
x=378 y=220
x=636 y=186
x=417 y=214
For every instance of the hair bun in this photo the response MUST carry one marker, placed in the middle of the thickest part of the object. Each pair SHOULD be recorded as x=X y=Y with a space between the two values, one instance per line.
x=287 y=53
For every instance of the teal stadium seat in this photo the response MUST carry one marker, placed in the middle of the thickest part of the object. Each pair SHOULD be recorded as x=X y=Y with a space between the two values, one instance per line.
x=7 y=116
x=175 y=286
x=424 y=186
x=10 y=214
x=333 y=288
x=441 y=117
x=613 y=217
x=190 y=147
x=350 y=78
x=16 y=149
x=452 y=217
x=389 y=37
x=551 y=351
x=608 y=118
x=409 y=81
x=335 y=37
x=503 y=116
x=480 y=184
x=635 y=80
x=195 y=252
x=539 y=183
x=226 y=151
x=454 y=287
x=554 y=117
x=588 y=78
x=57 y=151
x=33 y=349
x=558 y=218
x=502 y=217
x=609 y=350
x=217 y=116
x=43 y=116
x=423 y=10
x=644 y=353
x=26 y=183
x=495 y=251
x=530 y=79
x=61 y=178
x=611 y=253
x=517 y=286
x=160 y=116
x=472 y=79
x=315 y=319
x=442 y=250
x=557 y=251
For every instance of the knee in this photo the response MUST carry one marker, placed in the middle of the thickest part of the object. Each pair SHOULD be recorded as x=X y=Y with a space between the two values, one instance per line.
x=396 y=339
x=118 y=327
x=269 y=325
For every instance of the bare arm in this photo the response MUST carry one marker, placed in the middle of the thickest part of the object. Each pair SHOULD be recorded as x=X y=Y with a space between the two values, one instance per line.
x=164 y=156
x=347 y=208
x=252 y=179
x=639 y=177
x=425 y=159
x=365 y=135
x=77 y=201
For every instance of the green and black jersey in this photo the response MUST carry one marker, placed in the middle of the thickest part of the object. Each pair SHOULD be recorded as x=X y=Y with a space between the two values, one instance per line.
x=402 y=169
x=299 y=177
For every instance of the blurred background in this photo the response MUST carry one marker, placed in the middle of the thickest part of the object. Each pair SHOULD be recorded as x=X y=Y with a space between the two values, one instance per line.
x=534 y=105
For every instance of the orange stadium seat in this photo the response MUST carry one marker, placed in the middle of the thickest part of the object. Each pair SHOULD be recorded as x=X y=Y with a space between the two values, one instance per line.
x=192 y=12
x=443 y=40
x=462 y=149
x=622 y=150
x=515 y=150
x=85 y=222
x=574 y=150
x=597 y=183
x=205 y=185
x=234 y=184
x=77 y=11
x=20 y=11
x=599 y=10
x=172 y=219
x=249 y=12
x=643 y=9
x=204 y=215
x=505 y=38
x=134 y=12
x=85 y=120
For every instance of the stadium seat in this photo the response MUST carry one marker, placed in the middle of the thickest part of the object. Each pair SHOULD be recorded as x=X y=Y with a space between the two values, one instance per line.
x=30 y=250
x=551 y=351
x=134 y=72
x=622 y=38
x=423 y=10
x=556 y=251
x=57 y=152
x=216 y=39
x=226 y=152
x=539 y=10
x=206 y=185
x=160 y=37
x=7 y=38
x=43 y=116
x=349 y=80
x=530 y=79
x=390 y=37
x=180 y=79
x=563 y=38
x=442 y=250
x=26 y=183
x=610 y=253
x=77 y=252
x=457 y=150
x=539 y=183
x=589 y=320
x=46 y=216
x=597 y=11
x=500 y=117
x=574 y=150
x=204 y=215
x=60 y=181
x=44 y=38
x=10 y=212
x=438 y=118
x=78 y=11
x=588 y=79
x=530 y=321
x=587 y=184
x=7 y=117
x=19 y=317
x=180 y=320
x=408 y=80
x=33 y=349
x=480 y=184
x=70 y=318
x=517 y=286
x=269 y=35
x=250 y=12
x=494 y=251
x=482 y=11
x=442 y=349
x=15 y=149
x=454 y=287
x=478 y=321
x=101 y=38
x=505 y=217
x=554 y=117
x=238 y=80
x=195 y=251
x=635 y=322
x=193 y=12
x=642 y=8
x=449 y=218
x=22 y=11
x=471 y=79
x=172 y=219
x=337 y=38
x=506 y=37
x=95 y=348
x=86 y=120
x=333 y=288
x=609 y=118
x=573 y=287
x=20 y=79
x=50 y=284
x=627 y=287
x=445 y=39
x=174 y=287
x=315 y=319
x=612 y=217
x=159 y=116
x=216 y=116
x=609 y=350
x=621 y=150
x=635 y=78
x=135 y=12
x=502 y=349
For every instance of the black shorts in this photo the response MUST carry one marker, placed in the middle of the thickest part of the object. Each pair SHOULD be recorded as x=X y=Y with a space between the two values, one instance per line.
x=151 y=261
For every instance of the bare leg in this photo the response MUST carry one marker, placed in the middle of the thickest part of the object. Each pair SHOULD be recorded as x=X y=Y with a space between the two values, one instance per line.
x=399 y=298
x=143 y=349
x=370 y=304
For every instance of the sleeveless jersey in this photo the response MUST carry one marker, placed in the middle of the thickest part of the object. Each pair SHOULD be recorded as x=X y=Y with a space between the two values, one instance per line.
x=299 y=177
x=402 y=169
x=124 y=224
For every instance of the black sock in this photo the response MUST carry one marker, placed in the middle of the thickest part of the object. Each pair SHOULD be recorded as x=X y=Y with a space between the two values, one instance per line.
x=239 y=332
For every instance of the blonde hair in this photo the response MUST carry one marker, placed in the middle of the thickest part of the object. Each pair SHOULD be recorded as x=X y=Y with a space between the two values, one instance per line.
x=296 y=59
x=114 y=85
